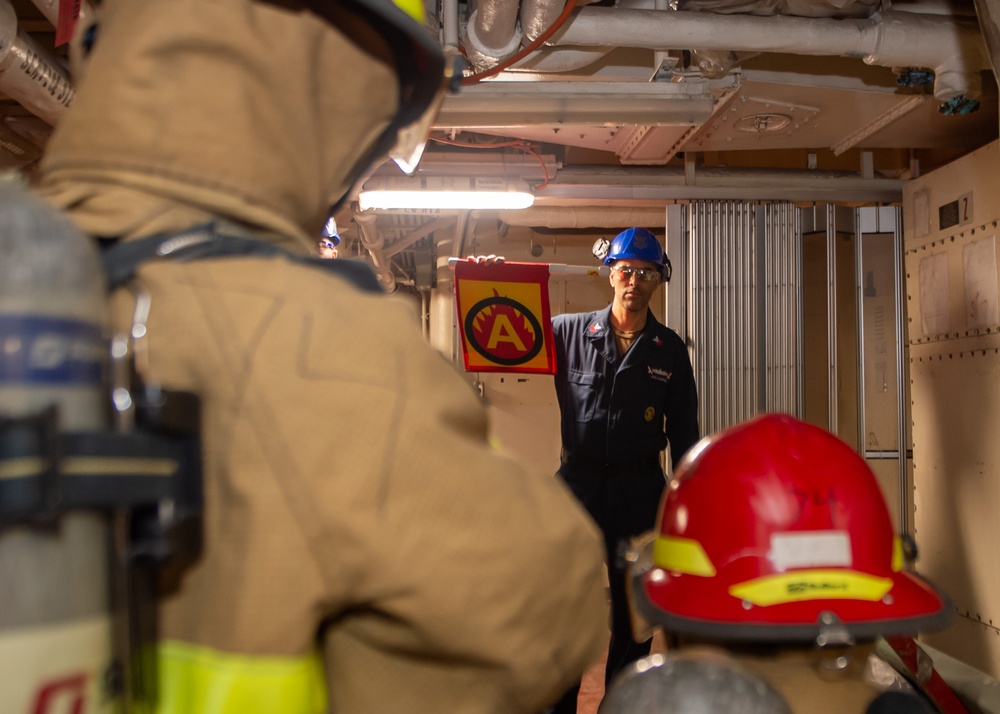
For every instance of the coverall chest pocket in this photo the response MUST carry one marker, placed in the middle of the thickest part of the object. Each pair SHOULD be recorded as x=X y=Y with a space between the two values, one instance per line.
x=586 y=391
x=647 y=398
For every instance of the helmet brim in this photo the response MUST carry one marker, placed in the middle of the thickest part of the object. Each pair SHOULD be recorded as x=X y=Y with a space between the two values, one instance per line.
x=689 y=604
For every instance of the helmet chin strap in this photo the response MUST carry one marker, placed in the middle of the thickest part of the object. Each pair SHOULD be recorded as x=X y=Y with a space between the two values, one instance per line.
x=835 y=647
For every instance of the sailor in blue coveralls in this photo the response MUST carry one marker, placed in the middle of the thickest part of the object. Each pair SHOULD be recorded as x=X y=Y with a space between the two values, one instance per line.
x=626 y=389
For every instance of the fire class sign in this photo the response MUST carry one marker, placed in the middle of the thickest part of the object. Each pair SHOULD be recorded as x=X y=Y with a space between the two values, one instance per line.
x=504 y=317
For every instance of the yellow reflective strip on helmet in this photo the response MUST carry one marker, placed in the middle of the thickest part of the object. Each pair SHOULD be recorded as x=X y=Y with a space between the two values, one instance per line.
x=413 y=8
x=811 y=585
x=682 y=555
x=200 y=680
x=898 y=559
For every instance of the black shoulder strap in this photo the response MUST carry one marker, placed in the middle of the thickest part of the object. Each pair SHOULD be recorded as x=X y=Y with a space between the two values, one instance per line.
x=122 y=258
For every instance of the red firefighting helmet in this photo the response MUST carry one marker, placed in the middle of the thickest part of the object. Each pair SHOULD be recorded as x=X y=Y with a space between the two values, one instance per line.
x=777 y=530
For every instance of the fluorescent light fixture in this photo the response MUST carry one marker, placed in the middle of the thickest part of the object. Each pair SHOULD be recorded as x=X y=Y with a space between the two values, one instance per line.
x=444 y=192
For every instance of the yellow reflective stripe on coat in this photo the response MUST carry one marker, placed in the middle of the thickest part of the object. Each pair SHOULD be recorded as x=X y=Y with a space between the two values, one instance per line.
x=682 y=555
x=811 y=585
x=201 y=680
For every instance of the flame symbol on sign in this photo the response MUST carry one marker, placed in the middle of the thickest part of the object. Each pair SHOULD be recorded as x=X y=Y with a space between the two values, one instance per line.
x=503 y=330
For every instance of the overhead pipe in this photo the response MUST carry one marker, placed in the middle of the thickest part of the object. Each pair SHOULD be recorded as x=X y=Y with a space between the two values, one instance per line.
x=381 y=254
x=583 y=216
x=573 y=193
x=510 y=104
x=375 y=244
x=538 y=20
x=554 y=60
x=537 y=16
x=442 y=312
x=29 y=74
x=492 y=34
x=721 y=176
x=450 y=25
x=621 y=186
x=989 y=14
x=953 y=48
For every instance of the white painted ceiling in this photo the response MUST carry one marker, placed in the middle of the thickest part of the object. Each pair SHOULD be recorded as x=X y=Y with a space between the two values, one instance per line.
x=625 y=107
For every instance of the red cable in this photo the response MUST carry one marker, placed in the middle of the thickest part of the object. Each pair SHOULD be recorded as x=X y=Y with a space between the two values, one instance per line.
x=545 y=171
x=466 y=145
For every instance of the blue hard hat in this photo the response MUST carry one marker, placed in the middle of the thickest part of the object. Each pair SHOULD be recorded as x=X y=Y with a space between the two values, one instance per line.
x=330 y=231
x=639 y=244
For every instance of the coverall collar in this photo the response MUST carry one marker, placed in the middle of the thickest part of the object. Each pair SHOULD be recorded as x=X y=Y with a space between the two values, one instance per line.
x=599 y=332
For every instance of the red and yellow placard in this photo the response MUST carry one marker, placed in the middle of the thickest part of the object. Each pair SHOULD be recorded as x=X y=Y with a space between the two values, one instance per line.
x=504 y=317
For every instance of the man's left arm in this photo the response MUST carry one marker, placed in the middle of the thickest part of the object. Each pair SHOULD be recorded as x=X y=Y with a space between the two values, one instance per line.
x=682 y=410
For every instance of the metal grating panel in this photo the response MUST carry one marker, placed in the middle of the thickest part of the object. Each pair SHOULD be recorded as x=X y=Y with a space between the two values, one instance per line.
x=743 y=307
x=782 y=309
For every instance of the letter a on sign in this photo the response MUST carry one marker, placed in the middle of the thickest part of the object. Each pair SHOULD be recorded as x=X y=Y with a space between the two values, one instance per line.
x=504 y=317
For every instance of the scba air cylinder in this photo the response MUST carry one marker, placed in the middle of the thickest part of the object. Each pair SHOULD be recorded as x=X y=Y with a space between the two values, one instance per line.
x=55 y=627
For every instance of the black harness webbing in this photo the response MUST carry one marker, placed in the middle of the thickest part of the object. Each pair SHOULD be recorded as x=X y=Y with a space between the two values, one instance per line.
x=44 y=472
x=123 y=258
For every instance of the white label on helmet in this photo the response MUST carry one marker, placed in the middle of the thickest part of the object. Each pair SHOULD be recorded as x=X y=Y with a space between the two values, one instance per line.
x=810 y=549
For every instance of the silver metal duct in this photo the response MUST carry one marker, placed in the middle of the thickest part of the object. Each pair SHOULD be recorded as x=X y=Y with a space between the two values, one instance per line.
x=511 y=104
x=989 y=13
x=492 y=34
x=636 y=186
x=537 y=16
x=954 y=49
x=30 y=74
x=583 y=217
x=374 y=243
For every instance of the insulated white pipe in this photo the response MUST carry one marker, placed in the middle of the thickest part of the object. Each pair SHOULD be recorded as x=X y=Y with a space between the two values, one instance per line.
x=989 y=14
x=891 y=39
x=559 y=59
x=371 y=240
x=29 y=74
x=537 y=16
x=449 y=24
x=582 y=217
x=555 y=268
x=492 y=34
x=656 y=30
x=442 y=308
x=584 y=186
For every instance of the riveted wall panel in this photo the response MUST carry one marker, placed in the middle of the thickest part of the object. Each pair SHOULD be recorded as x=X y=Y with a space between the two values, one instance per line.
x=950 y=226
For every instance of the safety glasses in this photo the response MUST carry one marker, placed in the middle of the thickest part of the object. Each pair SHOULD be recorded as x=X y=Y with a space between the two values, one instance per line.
x=646 y=275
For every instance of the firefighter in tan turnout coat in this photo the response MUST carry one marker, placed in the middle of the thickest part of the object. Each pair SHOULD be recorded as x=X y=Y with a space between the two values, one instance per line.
x=404 y=566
